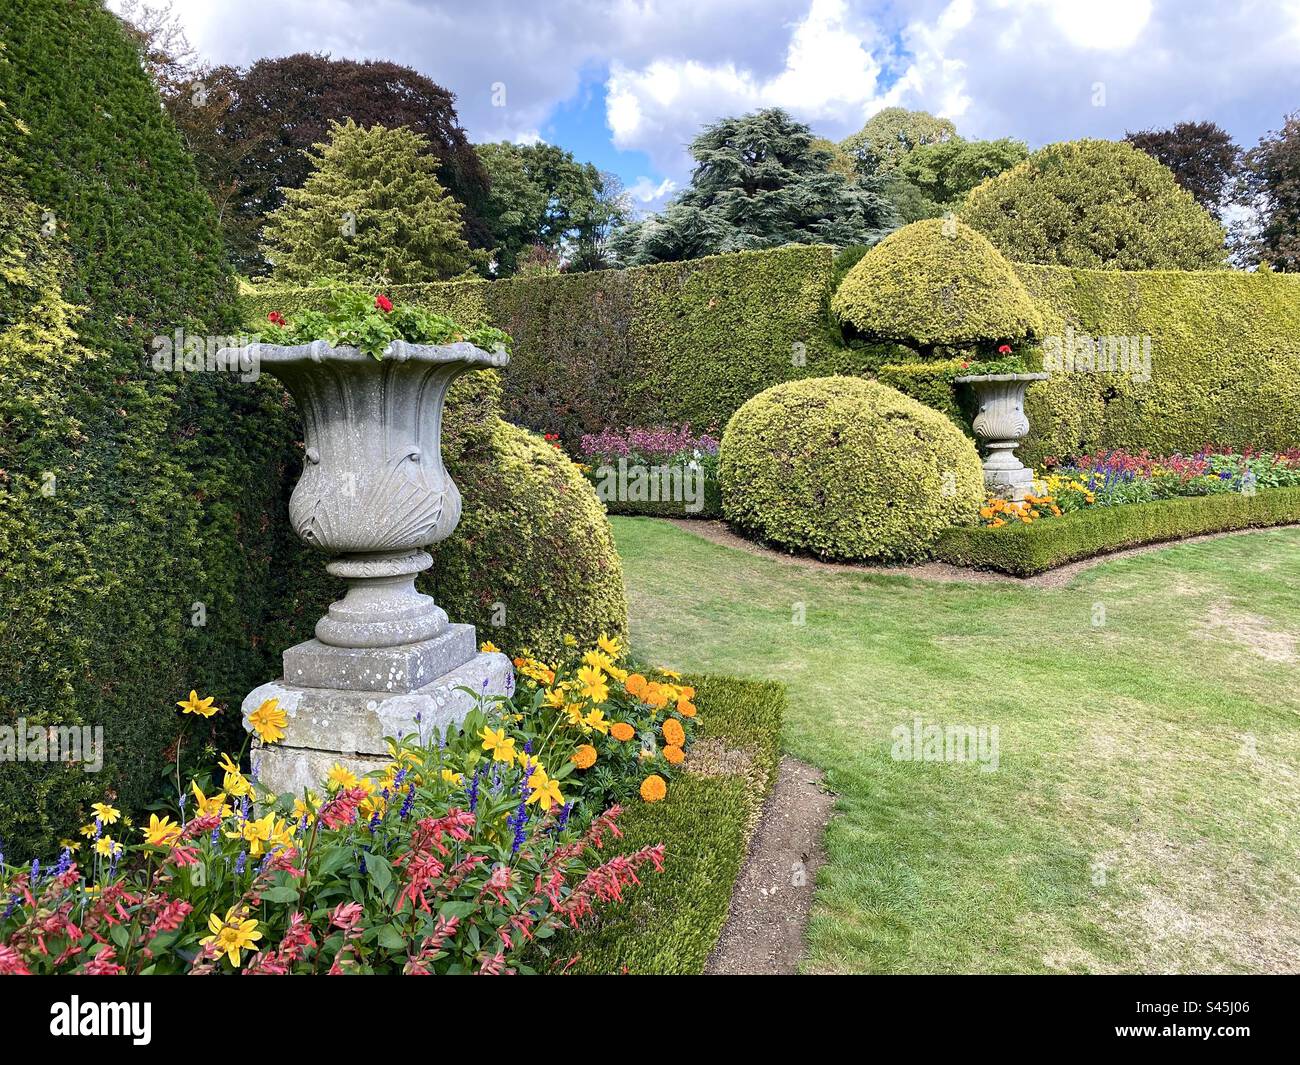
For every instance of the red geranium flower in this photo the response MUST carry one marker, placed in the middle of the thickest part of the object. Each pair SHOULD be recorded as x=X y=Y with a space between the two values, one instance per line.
x=1004 y=349
x=384 y=303
x=275 y=318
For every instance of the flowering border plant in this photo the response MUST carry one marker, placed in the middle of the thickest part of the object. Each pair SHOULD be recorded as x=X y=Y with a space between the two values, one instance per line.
x=462 y=854
x=370 y=322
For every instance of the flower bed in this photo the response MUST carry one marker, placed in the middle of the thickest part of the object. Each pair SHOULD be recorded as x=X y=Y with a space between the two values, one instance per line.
x=1024 y=548
x=462 y=855
x=673 y=921
x=666 y=471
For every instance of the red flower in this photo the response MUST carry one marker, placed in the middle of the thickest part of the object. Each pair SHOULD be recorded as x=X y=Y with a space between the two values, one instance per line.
x=384 y=303
x=275 y=318
x=1004 y=349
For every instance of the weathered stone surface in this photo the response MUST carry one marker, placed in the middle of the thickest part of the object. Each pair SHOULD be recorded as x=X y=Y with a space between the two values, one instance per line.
x=1001 y=425
x=312 y=664
x=374 y=490
x=328 y=725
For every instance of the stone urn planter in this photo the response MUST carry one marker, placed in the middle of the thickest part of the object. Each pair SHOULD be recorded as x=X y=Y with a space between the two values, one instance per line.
x=1001 y=425
x=373 y=493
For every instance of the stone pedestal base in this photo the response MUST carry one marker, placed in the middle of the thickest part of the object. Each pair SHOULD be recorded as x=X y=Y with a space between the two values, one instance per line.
x=1004 y=474
x=349 y=726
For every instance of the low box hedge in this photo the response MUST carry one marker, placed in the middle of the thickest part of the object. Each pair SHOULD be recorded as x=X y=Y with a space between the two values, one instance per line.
x=1024 y=550
x=671 y=922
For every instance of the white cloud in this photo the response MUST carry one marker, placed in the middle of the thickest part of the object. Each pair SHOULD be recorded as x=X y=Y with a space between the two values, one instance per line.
x=645 y=190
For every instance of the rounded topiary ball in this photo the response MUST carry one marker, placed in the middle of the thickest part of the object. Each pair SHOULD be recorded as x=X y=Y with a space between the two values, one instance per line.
x=847 y=469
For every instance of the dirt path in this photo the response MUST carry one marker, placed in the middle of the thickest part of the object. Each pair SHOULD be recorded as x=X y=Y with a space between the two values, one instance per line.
x=764 y=933
x=717 y=532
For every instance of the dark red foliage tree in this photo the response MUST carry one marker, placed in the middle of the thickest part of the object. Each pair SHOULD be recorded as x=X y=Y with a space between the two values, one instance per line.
x=248 y=128
x=1202 y=156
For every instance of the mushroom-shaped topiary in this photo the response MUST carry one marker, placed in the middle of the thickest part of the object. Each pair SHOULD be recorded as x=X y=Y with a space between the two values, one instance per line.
x=847 y=469
x=936 y=283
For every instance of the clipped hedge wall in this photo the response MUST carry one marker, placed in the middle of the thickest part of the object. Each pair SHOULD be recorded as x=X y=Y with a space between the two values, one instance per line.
x=1024 y=550
x=649 y=345
x=847 y=469
x=706 y=824
x=156 y=494
x=1225 y=361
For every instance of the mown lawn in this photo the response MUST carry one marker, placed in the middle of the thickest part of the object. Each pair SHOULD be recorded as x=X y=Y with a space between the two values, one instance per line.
x=1145 y=811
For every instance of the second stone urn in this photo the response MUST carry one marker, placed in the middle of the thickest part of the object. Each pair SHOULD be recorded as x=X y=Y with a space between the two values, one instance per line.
x=373 y=493
x=1001 y=425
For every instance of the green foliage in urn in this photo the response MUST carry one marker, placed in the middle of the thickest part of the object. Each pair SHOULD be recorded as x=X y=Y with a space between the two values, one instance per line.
x=1099 y=204
x=354 y=318
x=371 y=208
x=935 y=283
x=847 y=469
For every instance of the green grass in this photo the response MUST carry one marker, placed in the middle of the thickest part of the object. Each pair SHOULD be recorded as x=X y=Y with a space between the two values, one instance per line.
x=1143 y=814
x=672 y=920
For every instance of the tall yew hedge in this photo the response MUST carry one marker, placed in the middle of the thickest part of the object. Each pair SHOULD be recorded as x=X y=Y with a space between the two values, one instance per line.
x=126 y=496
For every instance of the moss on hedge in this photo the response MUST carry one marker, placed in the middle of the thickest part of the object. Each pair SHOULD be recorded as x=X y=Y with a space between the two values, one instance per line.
x=671 y=922
x=1224 y=360
x=847 y=469
x=1024 y=550
x=935 y=282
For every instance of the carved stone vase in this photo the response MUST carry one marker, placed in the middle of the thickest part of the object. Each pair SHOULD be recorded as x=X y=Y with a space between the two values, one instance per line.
x=1001 y=425
x=373 y=494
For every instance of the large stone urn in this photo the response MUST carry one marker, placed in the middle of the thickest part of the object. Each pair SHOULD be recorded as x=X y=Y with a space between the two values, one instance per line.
x=373 y=493
x=1001 y=425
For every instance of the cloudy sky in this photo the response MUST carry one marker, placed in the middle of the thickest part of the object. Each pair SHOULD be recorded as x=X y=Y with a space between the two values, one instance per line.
x=626 y=83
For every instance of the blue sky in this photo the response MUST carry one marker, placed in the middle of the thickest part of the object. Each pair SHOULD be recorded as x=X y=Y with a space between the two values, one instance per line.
x=625 y=84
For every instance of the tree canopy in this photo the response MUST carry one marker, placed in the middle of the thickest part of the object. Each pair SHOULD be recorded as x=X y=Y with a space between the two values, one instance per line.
x=934 y=178
x=371 y=207
x=1094 y=203
x=1201 y=155
x=248 y=130
x=759 y=181
x=1270 y=184
x=890 y=134
x=541 y=196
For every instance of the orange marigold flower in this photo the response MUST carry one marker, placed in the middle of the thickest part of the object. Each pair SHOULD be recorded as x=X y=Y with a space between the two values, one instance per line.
x=621 y=730
x=674 y=755
x=585 y=756
x=685 y=707
x=653 y=788
x=635 y=685
x=673 y=732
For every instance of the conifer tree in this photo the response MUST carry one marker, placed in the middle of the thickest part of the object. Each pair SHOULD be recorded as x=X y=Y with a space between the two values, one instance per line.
x=372 y=207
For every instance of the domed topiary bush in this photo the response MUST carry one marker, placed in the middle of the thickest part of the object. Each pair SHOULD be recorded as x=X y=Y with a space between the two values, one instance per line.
x=847 y=469
x=935 y=283
x=1097 y=204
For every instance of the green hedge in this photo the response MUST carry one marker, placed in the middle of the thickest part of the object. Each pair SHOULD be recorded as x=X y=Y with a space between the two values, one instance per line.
x=1024 y=550
x=1225 y=361
x=159 y=481
x=671 y=922
x=649 y=345
x=693 y=341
